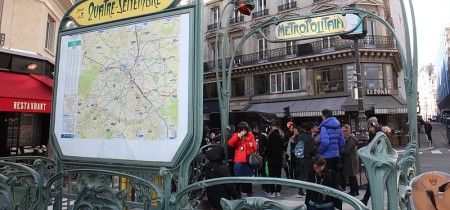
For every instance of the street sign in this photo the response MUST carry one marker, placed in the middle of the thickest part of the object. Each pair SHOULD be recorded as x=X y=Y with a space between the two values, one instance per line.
x=102 y=11
x=327 y=25
x=125 y=90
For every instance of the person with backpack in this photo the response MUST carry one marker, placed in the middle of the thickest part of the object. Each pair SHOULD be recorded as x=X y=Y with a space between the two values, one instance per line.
x=274 y=153
x=216 y=168
x=244 y=145
x=304 y=152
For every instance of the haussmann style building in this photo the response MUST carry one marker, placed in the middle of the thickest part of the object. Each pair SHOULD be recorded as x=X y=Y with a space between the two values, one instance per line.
x=310 y=75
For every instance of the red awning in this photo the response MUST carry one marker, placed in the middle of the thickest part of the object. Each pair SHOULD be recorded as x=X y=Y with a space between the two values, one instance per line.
x=25 y=93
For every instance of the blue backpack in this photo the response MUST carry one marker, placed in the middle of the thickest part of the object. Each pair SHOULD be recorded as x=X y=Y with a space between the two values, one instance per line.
x=299 y=150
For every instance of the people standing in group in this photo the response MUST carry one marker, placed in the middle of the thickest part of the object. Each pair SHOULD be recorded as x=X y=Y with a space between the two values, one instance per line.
x=323 y=176
x=428 y=128
x=244 y=144
x=262 y=145
x=351 y=159
x=274 y=154
x=374 y=128
x=215 y=168
x=331 y=140
x=304 y=152
x=316 y=136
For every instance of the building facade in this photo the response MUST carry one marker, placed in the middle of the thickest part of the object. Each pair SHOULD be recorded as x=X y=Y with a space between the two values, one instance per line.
x=442 y=73
x=310 y=75
x=427 y=92
x=28 y=33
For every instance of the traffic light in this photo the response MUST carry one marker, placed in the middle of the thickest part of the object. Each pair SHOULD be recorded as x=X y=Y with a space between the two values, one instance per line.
x=287 y=112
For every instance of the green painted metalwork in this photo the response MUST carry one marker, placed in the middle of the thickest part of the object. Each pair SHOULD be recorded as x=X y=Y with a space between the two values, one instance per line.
x=38 y=182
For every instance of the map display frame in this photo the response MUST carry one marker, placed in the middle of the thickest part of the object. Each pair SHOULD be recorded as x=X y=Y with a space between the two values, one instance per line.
x=124 y=91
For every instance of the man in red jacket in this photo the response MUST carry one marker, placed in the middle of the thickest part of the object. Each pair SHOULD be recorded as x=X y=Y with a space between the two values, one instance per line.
x=244 y=144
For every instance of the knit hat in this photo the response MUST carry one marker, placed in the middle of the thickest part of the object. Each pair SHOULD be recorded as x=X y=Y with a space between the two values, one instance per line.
x=372 y=122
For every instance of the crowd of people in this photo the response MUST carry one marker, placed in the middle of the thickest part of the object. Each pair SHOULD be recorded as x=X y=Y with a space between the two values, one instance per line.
x=324 y=154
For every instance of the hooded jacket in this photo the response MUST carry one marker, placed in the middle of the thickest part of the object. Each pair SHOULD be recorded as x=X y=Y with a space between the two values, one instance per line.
x=215 y=168
x=331 y=138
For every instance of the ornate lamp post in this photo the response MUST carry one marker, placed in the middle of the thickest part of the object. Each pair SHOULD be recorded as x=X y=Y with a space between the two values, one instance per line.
x=223 y=77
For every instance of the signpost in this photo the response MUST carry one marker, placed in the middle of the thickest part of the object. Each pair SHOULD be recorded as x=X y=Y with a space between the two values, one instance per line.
x=125 y=87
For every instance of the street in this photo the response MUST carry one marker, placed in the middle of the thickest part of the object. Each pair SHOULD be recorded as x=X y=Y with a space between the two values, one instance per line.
x=437 y=158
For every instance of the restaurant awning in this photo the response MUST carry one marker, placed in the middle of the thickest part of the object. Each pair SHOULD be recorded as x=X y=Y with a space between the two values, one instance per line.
x=389 y=105
x=25 y=93
x=302 y=108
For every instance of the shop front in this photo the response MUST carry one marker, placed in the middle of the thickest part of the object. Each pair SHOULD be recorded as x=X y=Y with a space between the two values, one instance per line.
x=25 y=106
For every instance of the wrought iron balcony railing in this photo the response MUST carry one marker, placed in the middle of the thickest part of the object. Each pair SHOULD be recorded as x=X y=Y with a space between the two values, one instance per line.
x=213 y=26
x=237 y=20
x=287 y=6
x=260 y=13
x=313 y=48
x=2 y=39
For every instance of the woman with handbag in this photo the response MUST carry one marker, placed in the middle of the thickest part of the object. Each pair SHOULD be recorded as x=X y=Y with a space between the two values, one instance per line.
x=274 y=153
x=244 y=145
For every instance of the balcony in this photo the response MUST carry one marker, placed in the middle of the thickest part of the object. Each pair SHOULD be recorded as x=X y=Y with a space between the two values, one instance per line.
x=287 y=6
x=260 y=13
x=237 y=20
x=2 y=39
x=314 y=48
x=213 y=26
x=317 y=1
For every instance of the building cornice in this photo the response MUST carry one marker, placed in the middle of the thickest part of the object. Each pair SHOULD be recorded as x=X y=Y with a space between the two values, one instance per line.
x=315 y=61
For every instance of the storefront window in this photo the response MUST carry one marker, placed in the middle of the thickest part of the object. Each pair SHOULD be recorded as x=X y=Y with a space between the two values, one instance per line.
x=276 y=83
x=373 y=76
x=292 y=81
x=329 y=80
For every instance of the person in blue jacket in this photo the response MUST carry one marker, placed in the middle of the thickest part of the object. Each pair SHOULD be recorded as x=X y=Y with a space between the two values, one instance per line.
x=331 y=140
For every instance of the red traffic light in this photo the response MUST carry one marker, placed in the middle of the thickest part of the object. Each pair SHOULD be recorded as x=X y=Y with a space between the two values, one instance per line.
x=245 y=8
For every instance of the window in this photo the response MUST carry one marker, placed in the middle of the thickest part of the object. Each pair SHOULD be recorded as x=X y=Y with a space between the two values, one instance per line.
x=328 y=43
x=210 y=90
x=215 y=15
x=290 y=48
x=287 y=1
x=262 y=47
x=292 y=81
x=329 y=80
x=261 y=5
x=261 y=83
x=213 y=51
x=238 y=87
x=370 y=37
x=276 y=83
x=50 y=34
x=373 y=76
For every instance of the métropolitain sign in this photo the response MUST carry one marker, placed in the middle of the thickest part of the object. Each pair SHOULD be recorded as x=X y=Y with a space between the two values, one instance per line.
x=317 y=26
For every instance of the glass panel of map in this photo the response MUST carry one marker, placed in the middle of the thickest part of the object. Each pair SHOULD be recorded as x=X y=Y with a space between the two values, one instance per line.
x=123 y=91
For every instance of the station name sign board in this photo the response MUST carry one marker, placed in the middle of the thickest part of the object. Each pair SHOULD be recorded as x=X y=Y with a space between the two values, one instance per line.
x=317 y=26
x=101 y=11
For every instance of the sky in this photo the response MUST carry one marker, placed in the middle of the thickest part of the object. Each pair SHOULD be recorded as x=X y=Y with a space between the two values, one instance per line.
x=431 y=17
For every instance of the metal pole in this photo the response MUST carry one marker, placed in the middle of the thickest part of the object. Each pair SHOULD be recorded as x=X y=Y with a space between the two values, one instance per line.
x=362 y=127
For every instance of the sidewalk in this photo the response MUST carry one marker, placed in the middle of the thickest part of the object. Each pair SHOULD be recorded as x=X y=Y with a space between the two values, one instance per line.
x=424 y=145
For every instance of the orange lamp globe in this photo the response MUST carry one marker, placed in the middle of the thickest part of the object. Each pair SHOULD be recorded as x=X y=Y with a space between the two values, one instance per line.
x=245 y=8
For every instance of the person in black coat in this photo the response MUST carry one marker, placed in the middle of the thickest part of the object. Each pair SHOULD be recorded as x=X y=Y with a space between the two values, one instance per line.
x=262 y=143
x=323 y=176
x=215 y=168
x=274 y=154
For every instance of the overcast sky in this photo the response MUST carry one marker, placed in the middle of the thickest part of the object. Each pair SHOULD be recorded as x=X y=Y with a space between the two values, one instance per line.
x=431 y=17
